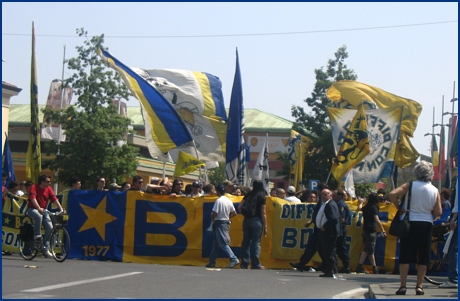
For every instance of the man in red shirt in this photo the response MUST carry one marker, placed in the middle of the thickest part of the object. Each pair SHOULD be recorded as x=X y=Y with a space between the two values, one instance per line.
x=39 y=196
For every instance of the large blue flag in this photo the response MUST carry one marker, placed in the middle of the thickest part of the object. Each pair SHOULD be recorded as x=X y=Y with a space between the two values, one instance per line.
x=236 y=165
x=8 y=163
x=167 y=128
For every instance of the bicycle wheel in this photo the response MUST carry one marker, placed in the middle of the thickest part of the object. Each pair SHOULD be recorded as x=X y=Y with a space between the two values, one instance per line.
x=27 y=249
x=60 y=244
x=434 y=279
x=438 y=265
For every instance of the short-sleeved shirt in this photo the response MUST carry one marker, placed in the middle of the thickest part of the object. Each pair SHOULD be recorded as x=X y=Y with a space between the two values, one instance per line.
x=369 y=213
x=293 y=199
x=223 y=207
x=41 y=195
x=260 y=201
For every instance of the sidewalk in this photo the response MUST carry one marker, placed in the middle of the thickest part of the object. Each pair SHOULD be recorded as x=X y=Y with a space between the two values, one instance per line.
x=387 y=291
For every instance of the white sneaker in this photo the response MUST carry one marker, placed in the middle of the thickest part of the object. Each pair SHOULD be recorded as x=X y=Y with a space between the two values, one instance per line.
x=47 y=254
x=448 y=284
x=312 y=270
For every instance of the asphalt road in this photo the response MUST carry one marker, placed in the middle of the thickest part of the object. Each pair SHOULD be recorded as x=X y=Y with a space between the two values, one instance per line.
x=114 y=280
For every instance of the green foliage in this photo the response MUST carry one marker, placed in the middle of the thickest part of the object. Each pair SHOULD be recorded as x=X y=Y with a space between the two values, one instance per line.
x=318 y=160
x=363 y=190
x=217 y=175
x=283 y=157
x=92 y=125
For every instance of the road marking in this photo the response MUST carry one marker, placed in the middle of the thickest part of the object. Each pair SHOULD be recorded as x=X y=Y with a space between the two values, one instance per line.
x=73 y=283
x=357 y=293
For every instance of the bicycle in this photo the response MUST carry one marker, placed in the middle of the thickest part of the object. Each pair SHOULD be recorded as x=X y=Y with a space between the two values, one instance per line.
x=437 y=246
x=59 y=240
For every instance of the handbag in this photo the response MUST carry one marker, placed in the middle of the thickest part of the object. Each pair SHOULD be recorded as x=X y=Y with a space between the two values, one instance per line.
x=401 y=227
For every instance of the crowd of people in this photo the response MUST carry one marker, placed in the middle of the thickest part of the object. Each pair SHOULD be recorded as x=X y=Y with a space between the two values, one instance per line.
x=329 y=220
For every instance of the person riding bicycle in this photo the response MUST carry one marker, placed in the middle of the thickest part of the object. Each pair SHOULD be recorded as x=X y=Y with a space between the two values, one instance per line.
x=39 y=196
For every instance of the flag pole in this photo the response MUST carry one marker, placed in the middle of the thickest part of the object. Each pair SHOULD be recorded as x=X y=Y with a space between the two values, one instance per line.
x=394 y=172
x=198 y=157
x=60 y=127
x=441 y=164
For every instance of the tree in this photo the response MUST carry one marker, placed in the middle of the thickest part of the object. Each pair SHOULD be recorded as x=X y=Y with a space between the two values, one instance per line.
x=318 y=160
x=92 y=126
x=217 y=175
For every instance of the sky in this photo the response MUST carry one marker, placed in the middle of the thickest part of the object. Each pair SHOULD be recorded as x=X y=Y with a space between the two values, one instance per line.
x=408 y=49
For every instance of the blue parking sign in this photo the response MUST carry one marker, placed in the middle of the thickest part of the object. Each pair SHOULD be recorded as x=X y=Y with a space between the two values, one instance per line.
x=313 y=184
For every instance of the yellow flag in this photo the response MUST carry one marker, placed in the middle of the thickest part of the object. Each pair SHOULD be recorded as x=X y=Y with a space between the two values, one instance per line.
x=34 y=155
x=349 y=94
x=186 y=164
x=355 y=146
x=297 y=148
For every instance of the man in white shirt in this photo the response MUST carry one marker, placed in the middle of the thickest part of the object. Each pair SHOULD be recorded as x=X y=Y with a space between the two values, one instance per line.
x=291 y=195
x=222 y=211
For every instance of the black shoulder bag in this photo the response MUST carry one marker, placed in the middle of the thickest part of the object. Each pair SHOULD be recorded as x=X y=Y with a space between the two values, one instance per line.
x=401 y=227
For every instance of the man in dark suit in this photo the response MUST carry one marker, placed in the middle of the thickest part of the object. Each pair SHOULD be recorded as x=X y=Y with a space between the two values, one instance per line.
x=328 y=221
x=312 y=246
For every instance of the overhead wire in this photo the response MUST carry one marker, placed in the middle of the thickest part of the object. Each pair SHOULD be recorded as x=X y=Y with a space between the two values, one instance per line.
x=241 y=34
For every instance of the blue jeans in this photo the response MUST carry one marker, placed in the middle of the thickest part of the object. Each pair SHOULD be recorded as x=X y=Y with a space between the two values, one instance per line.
x=250 y=248
x=38 y=221
x=221 y=239
x=452 y=257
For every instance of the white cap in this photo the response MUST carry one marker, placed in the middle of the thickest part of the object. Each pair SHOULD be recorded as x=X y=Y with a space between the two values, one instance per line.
x=291 y=189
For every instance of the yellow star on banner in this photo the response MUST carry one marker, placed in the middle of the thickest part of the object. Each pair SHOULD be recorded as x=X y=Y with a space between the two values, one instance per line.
x=7 y=221
x=97 y=218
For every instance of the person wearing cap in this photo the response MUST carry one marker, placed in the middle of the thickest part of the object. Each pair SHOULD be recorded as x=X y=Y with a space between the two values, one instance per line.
x=196 y=187
x=291 y=195
x=222 y=211
x=228 y=186
x=154 y=186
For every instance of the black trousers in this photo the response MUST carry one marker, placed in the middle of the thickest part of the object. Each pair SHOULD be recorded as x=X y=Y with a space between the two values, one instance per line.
x=311 y=248
x=341 y=250
x=326 y=251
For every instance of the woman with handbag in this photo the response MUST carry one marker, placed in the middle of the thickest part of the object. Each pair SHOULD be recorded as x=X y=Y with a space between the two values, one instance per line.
x=424 y=203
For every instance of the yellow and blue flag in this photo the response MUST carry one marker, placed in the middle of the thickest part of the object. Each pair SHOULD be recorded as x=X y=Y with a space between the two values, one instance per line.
x=186 y=164
x=350 y=94
x=297 y=148
x=34 y=154
x=167 y=128
x=198 y=92
x=355 y=146
x=198 y=98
